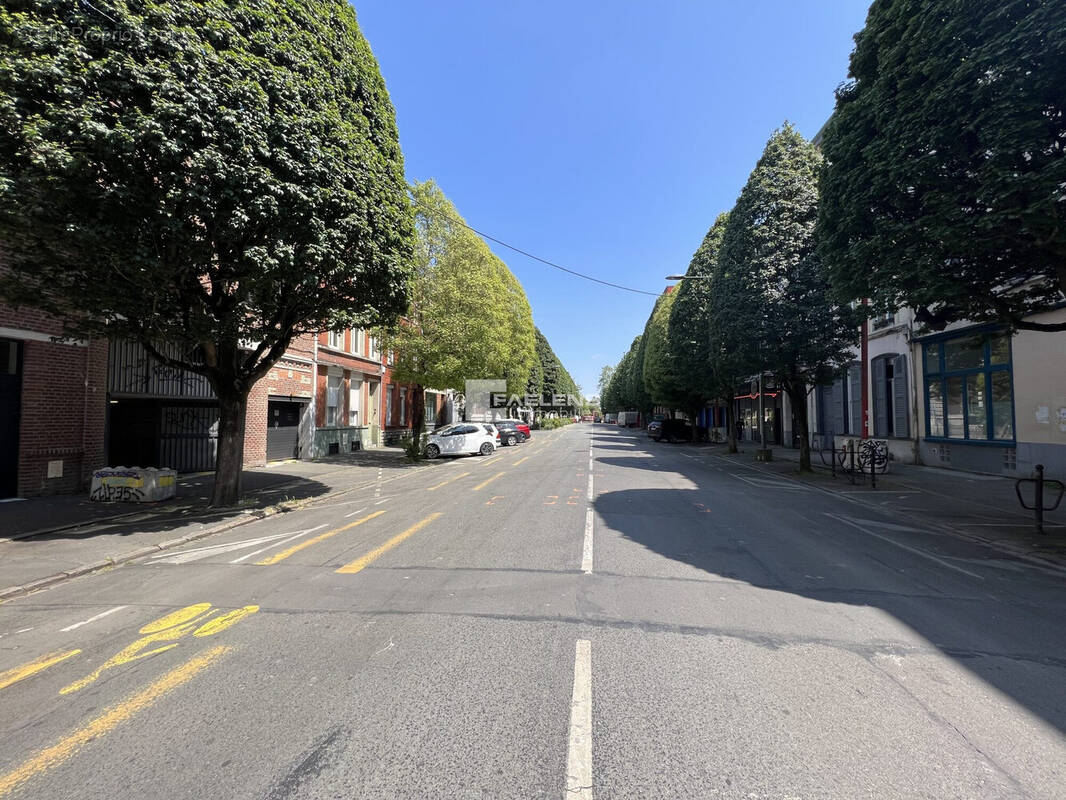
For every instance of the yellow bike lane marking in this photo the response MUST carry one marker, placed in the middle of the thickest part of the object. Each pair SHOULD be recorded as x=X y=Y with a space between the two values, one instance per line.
x=296 y=548
x=362 y=562
x=16 y=674
x=66 y=747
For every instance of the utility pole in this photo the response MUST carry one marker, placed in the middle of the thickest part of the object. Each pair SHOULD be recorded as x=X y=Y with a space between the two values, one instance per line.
x=762 y=418
x=763 y=453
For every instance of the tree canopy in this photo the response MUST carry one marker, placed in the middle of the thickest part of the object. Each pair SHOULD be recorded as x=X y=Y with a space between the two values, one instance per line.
x=662 y=381
x=945 y=165
x=619 y=394
x=469 y=317
x=554 y=377
x=774 y=310
x=605 y=378
x=217 y=176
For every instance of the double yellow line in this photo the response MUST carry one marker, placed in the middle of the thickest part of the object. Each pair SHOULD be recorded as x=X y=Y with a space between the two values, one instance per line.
x=363 y=561
x=360 y=563
x=296 y=548
x=66 y=747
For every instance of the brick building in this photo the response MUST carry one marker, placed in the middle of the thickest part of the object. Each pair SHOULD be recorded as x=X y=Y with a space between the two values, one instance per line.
x=67 y=408
x=279 y=416
x=53 y=403
x=347 y=392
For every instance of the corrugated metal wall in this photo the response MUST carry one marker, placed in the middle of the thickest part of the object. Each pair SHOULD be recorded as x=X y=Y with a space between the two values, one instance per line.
x=132 y=372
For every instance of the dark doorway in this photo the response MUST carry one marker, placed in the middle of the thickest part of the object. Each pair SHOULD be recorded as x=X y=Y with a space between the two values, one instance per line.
x=283 y=429
x=10 y=413
x=133 y=433
x=160 y=433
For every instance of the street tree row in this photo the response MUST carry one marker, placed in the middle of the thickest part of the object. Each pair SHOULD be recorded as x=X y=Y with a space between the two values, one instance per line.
x=938 y=185
x=223 y=177
x=755 y=299
x=468 y=317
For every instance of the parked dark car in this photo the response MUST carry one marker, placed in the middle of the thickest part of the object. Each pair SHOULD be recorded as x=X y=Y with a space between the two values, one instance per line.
x=654 y=427
x=677 y=430
x=511 y=431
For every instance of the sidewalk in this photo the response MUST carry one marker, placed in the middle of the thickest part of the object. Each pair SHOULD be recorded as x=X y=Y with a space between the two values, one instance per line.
x=979 y=507
x=48 y=539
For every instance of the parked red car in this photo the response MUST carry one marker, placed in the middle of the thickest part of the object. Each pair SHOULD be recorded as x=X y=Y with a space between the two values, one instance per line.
x=518 y=425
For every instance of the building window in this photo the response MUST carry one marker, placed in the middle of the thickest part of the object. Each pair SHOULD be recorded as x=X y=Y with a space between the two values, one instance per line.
x=388 y=403
x=403 y=405
x=883 y=321
x=968 y=387
x=336 y=339
x=890 y=396
x=354 y=396
x=373 y=351
x=333 y=400
x=845 y=402
x=357 y=342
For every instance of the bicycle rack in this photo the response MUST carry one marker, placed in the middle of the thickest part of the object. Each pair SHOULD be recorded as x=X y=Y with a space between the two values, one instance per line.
x=866 y=460
x=1040 y=483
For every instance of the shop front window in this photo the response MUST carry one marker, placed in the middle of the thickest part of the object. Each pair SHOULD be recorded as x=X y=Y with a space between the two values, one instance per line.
x=968 y=387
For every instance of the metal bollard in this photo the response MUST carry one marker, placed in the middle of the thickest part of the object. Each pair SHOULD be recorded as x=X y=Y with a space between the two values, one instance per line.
x=1039 y=501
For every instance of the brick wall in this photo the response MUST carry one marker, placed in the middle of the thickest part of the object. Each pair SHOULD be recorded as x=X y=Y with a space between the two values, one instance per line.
x=255 y=425
x=63 y=405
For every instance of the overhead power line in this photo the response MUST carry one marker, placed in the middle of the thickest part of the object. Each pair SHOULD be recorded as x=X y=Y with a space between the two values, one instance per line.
x=527 y=254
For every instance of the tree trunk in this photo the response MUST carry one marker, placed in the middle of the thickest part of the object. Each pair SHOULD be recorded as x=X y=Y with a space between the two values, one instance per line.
x=798 y=396
x=731 y=425
x=229 y=461
x=418 y=412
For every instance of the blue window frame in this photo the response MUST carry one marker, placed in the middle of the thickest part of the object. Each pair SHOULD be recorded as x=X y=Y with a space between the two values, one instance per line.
x=969 y=391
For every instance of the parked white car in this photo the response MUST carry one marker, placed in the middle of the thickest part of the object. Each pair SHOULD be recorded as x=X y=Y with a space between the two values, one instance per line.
x=463 y=438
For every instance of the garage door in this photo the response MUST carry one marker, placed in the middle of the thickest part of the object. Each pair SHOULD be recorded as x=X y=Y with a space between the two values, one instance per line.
x=283 y=429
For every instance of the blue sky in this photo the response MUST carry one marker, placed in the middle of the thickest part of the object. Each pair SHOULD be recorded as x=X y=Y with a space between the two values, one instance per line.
x=604 y=136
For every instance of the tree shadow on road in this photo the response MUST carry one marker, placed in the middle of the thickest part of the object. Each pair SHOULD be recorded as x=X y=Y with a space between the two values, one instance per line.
x=1005 y=629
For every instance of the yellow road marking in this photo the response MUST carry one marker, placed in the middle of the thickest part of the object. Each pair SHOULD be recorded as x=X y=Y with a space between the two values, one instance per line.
x=445 y=483
x=519 y=461
x=296 y=548
x=105 y=723
x=156 y=633
x=170 y=628
x=360 y=563
x=227 y=620
x=176 y=618
x=483 y=484
x=44 y=662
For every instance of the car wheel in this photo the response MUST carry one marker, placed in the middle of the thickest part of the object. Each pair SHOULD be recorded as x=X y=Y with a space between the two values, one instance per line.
x=512 y=440
x=486 y=449
x=432 y=451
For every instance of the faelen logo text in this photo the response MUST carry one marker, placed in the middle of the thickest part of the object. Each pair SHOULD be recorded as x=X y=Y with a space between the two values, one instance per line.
x=504 y=400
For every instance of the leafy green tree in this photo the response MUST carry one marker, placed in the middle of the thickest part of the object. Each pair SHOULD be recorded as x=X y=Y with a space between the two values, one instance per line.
x=605 y=379
x=555 y=378
x=944 y=162
x=215 y=176
x=663 y=382
x=640 y=399
x=775 y=311
x=698 y=364
x=619 y=395
x=469 y=317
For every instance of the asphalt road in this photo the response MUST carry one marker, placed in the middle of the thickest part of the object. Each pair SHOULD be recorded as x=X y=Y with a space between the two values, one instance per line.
x=664 y=624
